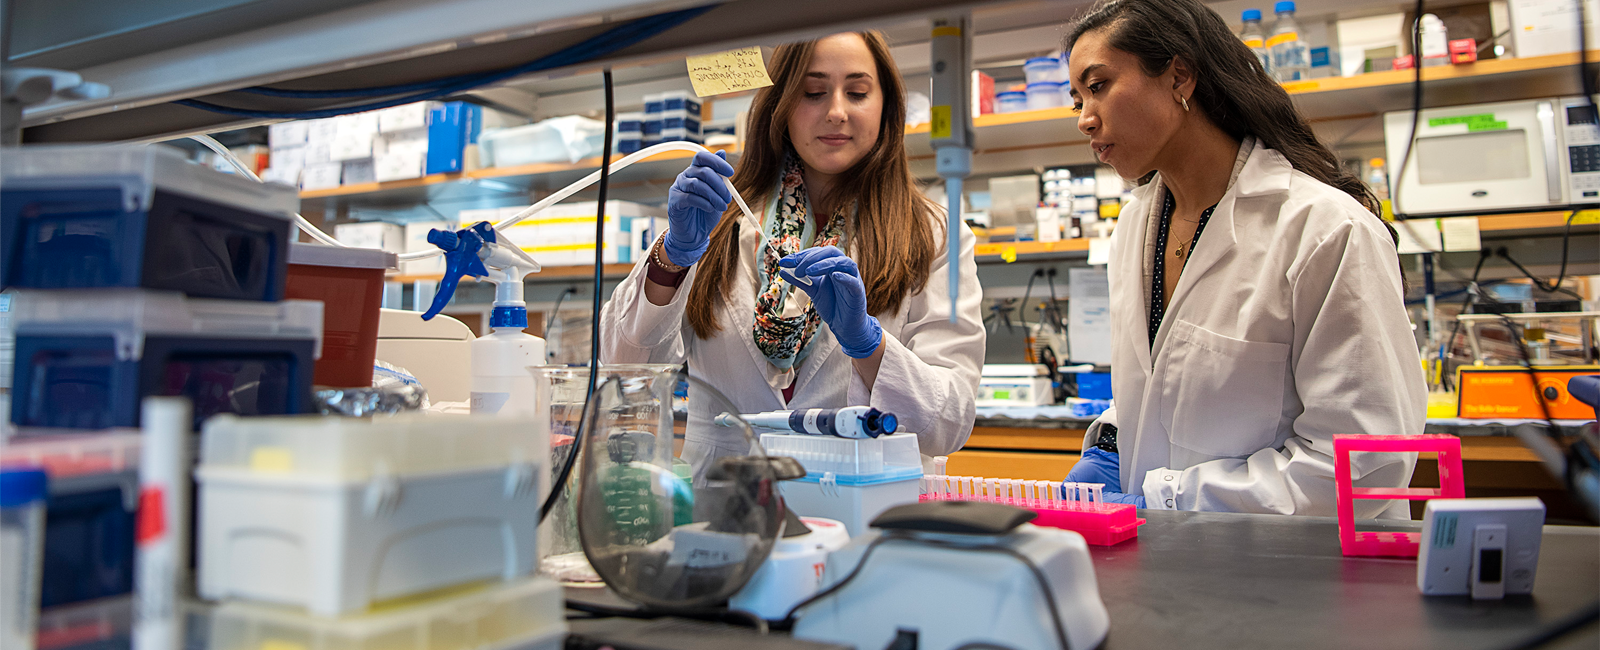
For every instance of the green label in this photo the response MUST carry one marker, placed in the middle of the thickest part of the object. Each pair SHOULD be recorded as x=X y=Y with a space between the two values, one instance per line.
x=1444 y=530
x=1002 y=394
x=1479 y=122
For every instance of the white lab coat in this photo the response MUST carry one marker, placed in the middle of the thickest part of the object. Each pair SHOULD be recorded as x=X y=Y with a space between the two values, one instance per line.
x=928 y=377
x=1287 y=326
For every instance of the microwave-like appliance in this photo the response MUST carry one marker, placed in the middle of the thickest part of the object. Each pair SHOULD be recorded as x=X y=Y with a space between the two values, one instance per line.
x=1532 y=154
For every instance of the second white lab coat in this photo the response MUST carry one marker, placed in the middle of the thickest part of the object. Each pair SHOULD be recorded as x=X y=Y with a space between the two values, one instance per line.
x=1287 y=326
x=928 y=377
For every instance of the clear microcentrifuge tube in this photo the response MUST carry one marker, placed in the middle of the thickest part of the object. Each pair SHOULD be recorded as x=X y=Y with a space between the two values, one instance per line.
x=939 y=463
x=966 y=486
x=1016 y=488
x=1095 y=495
x=1055 y=492
x=1074 y=491
x=991 y=489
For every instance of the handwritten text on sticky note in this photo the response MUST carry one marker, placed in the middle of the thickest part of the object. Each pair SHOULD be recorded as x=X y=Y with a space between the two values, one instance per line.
x=727 y=72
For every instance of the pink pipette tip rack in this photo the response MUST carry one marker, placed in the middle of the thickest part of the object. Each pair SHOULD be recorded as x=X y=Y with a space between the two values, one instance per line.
x=1452 y=485
x=1069 y=506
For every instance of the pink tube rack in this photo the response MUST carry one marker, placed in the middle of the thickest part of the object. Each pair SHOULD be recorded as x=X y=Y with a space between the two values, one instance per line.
x=1452 y=485
x=1069 y=506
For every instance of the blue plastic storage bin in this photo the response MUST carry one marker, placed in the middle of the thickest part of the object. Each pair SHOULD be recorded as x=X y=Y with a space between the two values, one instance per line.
x=89 y=521
x=1094 y=385
x=74 y=217
x=86 y=359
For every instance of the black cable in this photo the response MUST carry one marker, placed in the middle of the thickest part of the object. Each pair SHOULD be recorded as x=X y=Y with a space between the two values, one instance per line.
x=605 y=44
x=560 y=485
x=1022 y=315
x=555 y=314
x=1416 y=111
x=1552 y=287
x=715 y=615
x=1561 y=628
x=788 y=619
x=1466 y=304
x=1055 y=310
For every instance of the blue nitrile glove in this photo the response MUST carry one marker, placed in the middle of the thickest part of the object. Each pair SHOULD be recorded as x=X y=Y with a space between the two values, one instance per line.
x=1098 y=466
x=834 y=284
x=1119 y=497
x=694 y=206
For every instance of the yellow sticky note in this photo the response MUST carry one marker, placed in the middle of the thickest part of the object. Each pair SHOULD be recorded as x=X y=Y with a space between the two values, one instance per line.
x=1586 y=217
x=271 y=459
x=728 y=72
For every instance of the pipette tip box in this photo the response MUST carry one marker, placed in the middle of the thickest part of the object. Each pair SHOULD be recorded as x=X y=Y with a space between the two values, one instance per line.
x=524 y=614
x=849 y=480
x=334 y=514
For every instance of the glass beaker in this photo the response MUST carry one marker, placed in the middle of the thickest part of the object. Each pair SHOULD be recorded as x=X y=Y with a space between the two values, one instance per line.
x=656 y=536
x=649 y=411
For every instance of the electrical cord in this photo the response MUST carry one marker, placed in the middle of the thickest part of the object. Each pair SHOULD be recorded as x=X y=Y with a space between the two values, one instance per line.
x=1449 y=345
x=1022 y=317
x=560 y=485
x=1038 y=576
x=1553 y=286
x=715 y=615
x=607 y=43
x=1416 y=110
x=555 y=313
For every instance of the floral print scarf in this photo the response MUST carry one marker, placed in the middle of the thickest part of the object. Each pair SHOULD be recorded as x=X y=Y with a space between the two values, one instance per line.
x=785 y=338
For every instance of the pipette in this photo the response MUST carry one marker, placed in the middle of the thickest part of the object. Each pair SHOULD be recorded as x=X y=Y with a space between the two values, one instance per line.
x=848 y=422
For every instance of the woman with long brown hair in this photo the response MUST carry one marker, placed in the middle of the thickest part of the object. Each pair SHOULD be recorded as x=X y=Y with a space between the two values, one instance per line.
x=1257 y=307
x=827 y=302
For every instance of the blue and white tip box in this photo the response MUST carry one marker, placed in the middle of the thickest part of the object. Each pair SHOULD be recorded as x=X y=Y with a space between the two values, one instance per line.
x=76 y=217
x=85 y=359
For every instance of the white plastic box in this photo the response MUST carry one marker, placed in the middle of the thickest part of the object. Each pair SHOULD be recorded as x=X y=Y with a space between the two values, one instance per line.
x=566 y=139
x=848 y=480
x=526 y=614
x=334 y=514
x=372 y=234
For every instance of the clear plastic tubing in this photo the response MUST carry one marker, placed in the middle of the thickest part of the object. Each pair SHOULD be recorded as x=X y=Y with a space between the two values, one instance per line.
x=553 y=199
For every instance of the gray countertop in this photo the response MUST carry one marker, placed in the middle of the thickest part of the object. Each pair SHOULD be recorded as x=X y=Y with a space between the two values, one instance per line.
x=1215 y=580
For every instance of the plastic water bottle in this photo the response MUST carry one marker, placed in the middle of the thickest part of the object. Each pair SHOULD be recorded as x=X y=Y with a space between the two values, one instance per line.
x=1255 y=39
x=1378 y=178
x=1291 y=57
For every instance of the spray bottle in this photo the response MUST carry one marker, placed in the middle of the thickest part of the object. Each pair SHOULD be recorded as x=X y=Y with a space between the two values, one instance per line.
x=501 y=382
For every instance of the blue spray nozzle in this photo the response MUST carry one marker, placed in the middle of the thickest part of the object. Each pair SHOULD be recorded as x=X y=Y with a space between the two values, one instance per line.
x=461 y=258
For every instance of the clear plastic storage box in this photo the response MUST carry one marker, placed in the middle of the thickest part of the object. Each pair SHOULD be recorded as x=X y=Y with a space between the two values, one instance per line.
x=140 y=216
x=526 y=614
x=848 y=480
x=335 y=514
x=851 y=461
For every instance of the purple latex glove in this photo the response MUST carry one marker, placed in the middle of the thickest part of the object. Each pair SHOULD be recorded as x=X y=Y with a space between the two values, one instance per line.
x=694 y=206
x=834 y=284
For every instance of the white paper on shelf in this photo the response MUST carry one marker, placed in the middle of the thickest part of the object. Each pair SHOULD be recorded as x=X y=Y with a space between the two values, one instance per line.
x=1460 y=234
x=1419 y=236
x=1089 y=316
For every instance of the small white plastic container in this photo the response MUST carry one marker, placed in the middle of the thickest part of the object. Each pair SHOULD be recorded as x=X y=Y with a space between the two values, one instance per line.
x=1044 y=94
x=1011 y=101
x=1044 y=68
x=849 y=480
x=334 y=514
x=22 y=502
x=526 y=614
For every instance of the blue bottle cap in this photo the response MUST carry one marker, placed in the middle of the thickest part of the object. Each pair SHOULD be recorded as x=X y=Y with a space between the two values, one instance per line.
x=1281 y=7
x=1047 y=60
x=22 y=486
x=1011 y=94
x=1252 y=14
x=1045 y=85
x=509 y=316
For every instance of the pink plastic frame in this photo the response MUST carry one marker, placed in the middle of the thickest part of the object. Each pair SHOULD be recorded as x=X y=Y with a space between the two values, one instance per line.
x=1391 y=544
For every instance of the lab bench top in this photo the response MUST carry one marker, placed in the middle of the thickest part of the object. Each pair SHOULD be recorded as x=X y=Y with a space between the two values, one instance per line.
x=1232 y=581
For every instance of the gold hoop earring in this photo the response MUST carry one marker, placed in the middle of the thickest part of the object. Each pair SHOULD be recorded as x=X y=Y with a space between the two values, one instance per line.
x=1185 y=101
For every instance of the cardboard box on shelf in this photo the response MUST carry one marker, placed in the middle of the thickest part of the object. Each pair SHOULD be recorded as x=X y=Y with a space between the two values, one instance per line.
x=372 y=234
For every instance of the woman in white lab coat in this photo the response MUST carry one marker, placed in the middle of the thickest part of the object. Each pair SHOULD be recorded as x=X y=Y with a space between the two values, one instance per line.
x=825 y=170
x=1257 y=305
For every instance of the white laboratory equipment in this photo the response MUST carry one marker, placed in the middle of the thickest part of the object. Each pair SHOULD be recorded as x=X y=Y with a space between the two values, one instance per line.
x=1015 y=384
x=525 y=614
x=333 y=514
x=500 y=360
x=1291 y=56
x=849 y=480
x=437 y=352
x=794 y=570
x=1036 y=586
x=1488 y=548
